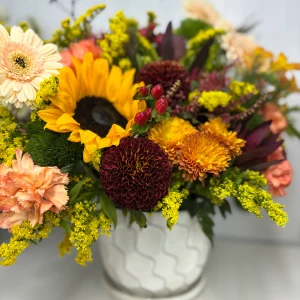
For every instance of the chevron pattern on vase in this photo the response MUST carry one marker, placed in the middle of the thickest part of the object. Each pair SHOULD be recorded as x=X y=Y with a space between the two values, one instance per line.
x=155 y=262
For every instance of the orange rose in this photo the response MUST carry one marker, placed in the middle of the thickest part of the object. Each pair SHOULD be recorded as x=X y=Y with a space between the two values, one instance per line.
x=271 y=112
x=280 y=175
x=78 y=50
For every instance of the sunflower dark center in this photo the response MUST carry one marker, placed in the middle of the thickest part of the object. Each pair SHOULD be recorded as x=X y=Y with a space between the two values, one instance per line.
x=98 y=115
x=20 y=61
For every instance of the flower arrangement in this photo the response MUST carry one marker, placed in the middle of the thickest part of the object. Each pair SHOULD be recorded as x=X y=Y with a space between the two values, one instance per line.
x=138 y=120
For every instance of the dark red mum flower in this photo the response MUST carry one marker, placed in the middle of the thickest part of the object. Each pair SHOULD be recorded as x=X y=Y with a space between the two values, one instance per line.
x=166 y=73
x=136 y=174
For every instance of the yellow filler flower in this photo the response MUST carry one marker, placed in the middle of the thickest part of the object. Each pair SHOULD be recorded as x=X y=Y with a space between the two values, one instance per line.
x=95 y=104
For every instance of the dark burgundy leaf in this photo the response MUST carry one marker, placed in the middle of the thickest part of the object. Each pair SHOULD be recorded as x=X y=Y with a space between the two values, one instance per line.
x=256 y=136
x=202 y=56
x=178 y=46
x=257 y=153
x=167 y=44
x=265 y=165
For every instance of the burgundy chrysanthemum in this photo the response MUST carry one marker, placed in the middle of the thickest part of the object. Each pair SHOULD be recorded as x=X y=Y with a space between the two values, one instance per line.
x=136 y=174
x=166 y=73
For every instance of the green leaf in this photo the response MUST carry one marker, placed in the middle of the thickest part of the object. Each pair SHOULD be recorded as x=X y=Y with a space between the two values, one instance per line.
x=292 y=130
x=139 y=218
x=125 y=212
x=65 y=225
x=207 y=225
x=271 y=78
x=161 y=117
x=67 y=169
x=194 y=85
x=75 y=190
x=254 y=121
x=109 y=208
x=33 y=242
x=292 y=109
x=190 y=27
x=225 y=208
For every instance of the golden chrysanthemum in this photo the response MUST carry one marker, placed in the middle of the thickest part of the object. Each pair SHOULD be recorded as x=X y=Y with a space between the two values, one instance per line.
x=169 y=134
x=217 y=129
x=199 y=154
x=95 y=104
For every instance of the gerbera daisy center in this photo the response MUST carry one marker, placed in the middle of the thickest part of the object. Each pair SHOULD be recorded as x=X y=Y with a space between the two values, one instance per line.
x=98 y=115
x=20 y=63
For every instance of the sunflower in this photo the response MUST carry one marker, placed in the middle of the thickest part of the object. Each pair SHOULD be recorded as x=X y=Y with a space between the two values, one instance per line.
x=95 y=104
x=218 y=129
x=169 y=134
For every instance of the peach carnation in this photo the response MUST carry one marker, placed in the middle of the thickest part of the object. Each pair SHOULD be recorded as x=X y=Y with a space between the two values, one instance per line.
x=27 y=191
x=272 y=112
x=279 y=176
x=78 y=50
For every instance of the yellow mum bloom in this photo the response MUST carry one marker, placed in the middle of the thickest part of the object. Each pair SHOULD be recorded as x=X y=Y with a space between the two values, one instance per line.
x=200 y=154
x=217 y=129
x=95 y=104
x=169 y=134
x=213 y=99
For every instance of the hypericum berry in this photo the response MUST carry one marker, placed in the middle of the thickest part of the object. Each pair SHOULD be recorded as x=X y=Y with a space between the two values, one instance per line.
x=144 y=91
x=140 y=119
x=148 y=112
x=157 y=91
x=161 y=105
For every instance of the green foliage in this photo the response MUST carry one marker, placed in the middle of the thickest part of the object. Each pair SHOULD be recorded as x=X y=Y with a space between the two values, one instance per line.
x=225 y=208
x=48 y=148
x=205 y=209
x=109 y=208
x=190 y=27
x=139 y=218
x=74 y=192
x=291 y=130
x=65 y=225
x=254 y=121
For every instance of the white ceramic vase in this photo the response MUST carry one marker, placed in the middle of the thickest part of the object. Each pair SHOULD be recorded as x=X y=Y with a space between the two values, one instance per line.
x=155 y=263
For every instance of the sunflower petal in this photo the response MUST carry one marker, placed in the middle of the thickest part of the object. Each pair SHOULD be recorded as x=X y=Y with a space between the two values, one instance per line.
x=65 y=102
x=100 y=78
x=50 y=115
x=66 y=122
x=68 y=83
x=114 y=83
x=82 y=90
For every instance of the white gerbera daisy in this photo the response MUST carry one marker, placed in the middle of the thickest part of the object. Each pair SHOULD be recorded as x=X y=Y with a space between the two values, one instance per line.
x=24 y=63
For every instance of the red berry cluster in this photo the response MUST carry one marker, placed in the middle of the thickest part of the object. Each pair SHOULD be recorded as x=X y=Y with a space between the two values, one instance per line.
x=161 y=104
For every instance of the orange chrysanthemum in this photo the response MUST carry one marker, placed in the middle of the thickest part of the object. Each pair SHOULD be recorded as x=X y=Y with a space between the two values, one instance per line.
x=217 y=129
x=199 y=154
x=169 y=134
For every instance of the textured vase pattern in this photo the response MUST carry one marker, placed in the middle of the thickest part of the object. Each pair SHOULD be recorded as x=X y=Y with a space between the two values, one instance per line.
x=155 y=262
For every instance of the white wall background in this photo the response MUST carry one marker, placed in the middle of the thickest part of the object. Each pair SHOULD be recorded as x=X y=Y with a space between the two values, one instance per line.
x=279 y=30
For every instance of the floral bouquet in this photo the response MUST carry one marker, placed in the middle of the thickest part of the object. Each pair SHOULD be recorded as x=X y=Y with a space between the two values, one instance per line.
x=140 y=120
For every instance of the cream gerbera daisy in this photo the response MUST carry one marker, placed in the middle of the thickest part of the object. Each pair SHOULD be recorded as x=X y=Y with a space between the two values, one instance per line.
x=24 y=63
